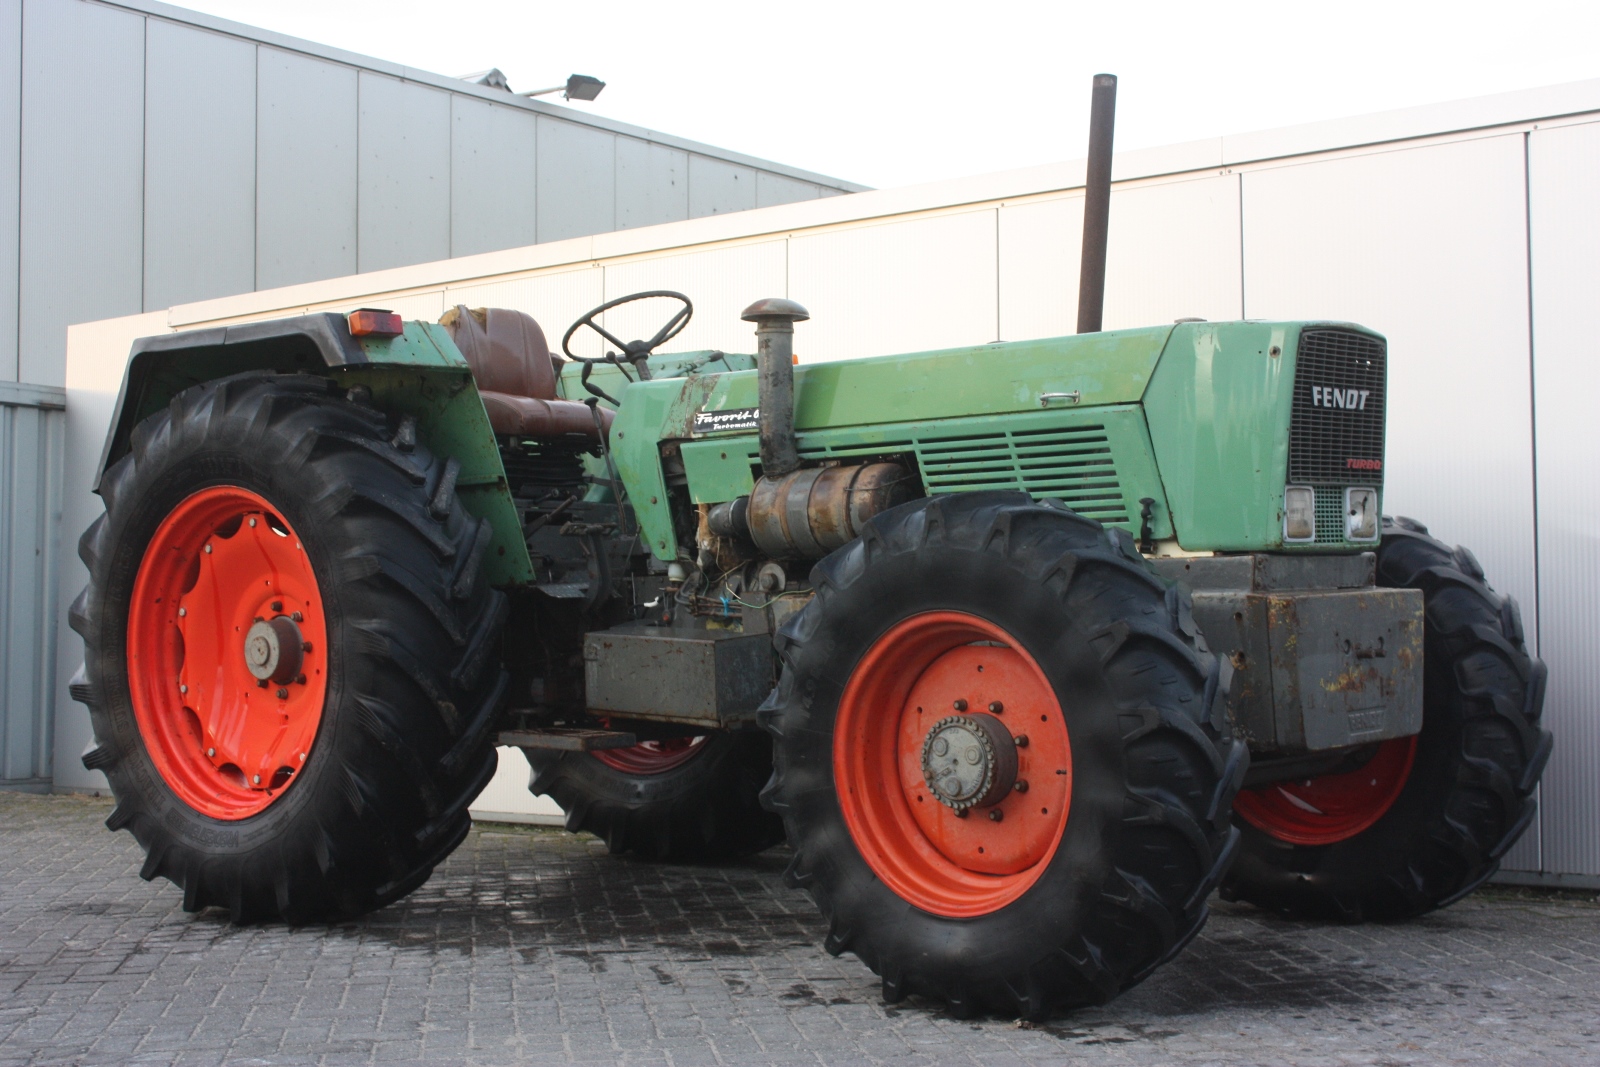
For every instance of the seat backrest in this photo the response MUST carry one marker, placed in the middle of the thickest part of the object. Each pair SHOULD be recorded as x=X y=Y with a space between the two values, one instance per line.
x=506 y=350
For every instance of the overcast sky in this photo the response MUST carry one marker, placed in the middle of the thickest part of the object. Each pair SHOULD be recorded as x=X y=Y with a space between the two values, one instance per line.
x=893 y=94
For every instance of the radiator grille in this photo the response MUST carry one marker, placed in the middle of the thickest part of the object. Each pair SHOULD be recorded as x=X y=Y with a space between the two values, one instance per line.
x=1330 y=515
x=1336 y=422
x=1073 y=465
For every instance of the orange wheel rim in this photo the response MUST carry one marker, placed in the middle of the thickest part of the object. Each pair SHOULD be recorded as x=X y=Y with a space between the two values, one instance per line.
x=1333 y=807
x=924 y=671
x=225 y=593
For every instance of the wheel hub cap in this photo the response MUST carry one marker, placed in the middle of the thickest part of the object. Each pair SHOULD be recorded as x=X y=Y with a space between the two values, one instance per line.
x=274 y=650
x=969 y=761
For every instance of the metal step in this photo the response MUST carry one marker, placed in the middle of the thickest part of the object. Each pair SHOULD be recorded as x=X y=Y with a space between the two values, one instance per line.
x=567 y=739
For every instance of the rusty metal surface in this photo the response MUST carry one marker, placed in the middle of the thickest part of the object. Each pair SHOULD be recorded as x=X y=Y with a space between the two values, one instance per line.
x=1321 y=670
x=811 y=512
x=1268 y=572
x=663 y=674
x=567 y=739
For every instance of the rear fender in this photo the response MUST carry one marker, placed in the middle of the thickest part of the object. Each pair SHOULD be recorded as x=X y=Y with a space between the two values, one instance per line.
x=420 y=373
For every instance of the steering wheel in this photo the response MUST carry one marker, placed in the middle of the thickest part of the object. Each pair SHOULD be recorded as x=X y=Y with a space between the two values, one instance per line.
x=635 y=352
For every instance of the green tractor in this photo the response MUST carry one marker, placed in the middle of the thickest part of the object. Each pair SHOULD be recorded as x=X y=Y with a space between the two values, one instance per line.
x=1024 y=648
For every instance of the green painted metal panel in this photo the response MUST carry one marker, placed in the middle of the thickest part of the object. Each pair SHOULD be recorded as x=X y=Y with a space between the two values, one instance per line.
x=1098 y=460
x=635 y=448
x=1218 y=406
x=1102 y=368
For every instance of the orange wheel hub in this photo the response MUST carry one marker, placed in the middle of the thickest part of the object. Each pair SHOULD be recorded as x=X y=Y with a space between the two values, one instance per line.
x=928 y=726
x=227 y=652
x=1334 y=807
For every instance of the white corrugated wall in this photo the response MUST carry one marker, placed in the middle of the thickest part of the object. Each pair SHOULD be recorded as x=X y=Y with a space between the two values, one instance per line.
x=32 y=424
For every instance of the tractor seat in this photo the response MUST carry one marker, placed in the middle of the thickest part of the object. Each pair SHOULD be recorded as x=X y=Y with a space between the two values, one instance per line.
x=516 y=374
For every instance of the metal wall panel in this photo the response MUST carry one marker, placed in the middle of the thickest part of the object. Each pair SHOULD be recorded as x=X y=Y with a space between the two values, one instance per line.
x=722 y=282
x=1564 y=171
x=82 y=232
x=554 y=300
x=652 y=183
x=1173 y=251
x=403 y=215
x=717 y=187
x=199 y=165
x=32 y=425
x=773 y=189
x=871 y=291
x=492 y=177
x=577 y=187
x=1428 y=246
x=10 y=175
x=305 y=169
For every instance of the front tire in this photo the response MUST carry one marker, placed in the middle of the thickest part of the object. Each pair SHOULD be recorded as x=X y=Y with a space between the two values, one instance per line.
x=998 y=618
x=267 y=516
x=687 y=800
x=1427 y=819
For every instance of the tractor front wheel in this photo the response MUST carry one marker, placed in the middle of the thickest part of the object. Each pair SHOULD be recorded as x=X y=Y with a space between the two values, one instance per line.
x=1002 y=757
x=290 y=650
x=1426 y=819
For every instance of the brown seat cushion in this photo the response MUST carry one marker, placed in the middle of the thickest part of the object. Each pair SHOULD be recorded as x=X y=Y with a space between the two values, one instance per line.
x=516 y=375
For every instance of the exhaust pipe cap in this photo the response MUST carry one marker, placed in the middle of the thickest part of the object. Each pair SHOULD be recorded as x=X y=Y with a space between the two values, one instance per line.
x=775 y=309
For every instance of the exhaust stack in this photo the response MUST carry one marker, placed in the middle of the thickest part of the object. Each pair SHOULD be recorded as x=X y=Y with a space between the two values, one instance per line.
x=775 y=318
x=1097 y=204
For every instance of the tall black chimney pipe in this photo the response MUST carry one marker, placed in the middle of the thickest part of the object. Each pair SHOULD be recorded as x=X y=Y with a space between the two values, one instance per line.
x=1097 y=205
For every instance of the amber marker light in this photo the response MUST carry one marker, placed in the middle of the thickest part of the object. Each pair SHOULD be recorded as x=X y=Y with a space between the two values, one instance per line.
x=372 y=322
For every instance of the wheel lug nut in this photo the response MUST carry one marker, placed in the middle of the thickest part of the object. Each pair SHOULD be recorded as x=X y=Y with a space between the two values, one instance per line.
x=252 y=523
x=961 y=705
x=182 y=612
x=961 y=813
x=1022 y=741
x=297 y=617
x=299 y=679
x=255 y=778
x=211 y=752
x=207 y=550
x=283 y=694
x=183 y=689
x=261 y=683
x=277 y=605
x=1021 y=786
x=995 y=707
x=995 y=815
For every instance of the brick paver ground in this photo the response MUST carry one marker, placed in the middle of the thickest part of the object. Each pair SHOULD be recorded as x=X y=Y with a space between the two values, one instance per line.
x=534 y=947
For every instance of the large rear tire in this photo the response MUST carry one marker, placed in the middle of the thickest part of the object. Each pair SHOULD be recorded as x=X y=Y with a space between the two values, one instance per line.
x=267 y=523
x=973 y=623
x=692 y=799
x=1427 y=819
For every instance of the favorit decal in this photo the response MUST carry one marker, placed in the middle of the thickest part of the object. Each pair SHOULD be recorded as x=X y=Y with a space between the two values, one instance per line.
x=723 y=421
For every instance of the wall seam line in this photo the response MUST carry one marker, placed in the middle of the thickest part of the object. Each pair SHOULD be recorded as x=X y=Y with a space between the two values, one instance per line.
x=1533 y=438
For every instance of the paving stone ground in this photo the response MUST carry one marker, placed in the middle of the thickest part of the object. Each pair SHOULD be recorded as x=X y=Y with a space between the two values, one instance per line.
x=535 y=947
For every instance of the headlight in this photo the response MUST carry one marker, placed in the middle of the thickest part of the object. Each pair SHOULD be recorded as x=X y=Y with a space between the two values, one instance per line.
x=1299 y=513
x=1361 y=514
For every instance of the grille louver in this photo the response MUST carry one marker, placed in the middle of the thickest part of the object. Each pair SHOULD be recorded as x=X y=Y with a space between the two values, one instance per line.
x=1073 y=465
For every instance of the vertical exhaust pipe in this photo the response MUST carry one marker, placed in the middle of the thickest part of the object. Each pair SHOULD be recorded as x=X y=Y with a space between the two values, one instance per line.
x=1097 y=205
x=775 y=319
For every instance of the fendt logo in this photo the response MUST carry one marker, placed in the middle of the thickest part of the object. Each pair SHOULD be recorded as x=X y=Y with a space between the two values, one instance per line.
x=1323 y=396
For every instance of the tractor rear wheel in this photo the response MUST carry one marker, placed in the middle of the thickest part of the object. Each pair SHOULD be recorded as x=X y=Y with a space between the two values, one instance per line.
x=290 y=650
x=1002 y=757
x=1425 y=821
x=685 y=799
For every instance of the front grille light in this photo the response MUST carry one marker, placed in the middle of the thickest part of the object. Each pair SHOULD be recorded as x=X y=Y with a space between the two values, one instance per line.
x=1299 y=514
x=1361 y=514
